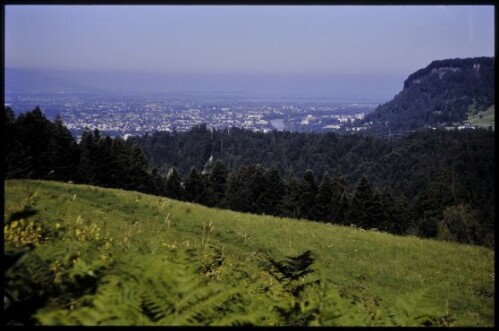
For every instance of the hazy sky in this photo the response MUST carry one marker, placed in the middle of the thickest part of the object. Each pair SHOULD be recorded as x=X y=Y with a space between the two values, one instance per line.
x=361 y=49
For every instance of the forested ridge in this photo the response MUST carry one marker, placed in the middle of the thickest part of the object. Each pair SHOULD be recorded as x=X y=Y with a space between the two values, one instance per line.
x=430 y=183
x=442 y=94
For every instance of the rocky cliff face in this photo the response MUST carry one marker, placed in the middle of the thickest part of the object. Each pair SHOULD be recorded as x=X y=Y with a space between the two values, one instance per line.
x=440 y=71
x=442 y=67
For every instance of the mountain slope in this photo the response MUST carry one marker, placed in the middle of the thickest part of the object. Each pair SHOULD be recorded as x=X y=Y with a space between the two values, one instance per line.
x=114 y=257
x=439 y=95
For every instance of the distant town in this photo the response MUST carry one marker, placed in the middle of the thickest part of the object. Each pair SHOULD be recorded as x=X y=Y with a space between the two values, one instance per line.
x=134 y=114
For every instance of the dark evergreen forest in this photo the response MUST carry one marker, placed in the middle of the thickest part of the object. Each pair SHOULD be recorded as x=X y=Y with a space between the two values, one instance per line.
x=431 y=183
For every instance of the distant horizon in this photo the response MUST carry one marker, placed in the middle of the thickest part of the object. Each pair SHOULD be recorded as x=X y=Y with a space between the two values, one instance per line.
x=371 y=87
x=374 y=87
x=285 y=39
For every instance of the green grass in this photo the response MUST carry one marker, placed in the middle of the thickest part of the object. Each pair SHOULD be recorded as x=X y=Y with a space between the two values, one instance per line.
x=483 y=119
x=370 y=271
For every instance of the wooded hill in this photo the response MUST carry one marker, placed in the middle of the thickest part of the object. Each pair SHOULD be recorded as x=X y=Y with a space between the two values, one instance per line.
x=439 y=95
x=432 y=183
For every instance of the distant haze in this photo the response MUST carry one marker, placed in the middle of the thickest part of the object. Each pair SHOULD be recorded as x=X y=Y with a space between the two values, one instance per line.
x=314 y=50
x=372 y=87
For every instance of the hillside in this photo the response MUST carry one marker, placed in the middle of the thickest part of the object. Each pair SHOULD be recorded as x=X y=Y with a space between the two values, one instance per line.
x=483 y=119
x=437 y=96
x=425 y=172
x=114 y=257
x=431 y=183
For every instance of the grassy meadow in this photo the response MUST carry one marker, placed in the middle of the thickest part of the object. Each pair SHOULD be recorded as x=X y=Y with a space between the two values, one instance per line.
x=484 y=119
x=114 y=257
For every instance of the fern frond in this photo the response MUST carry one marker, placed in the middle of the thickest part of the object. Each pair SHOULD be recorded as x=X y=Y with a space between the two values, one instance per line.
x=337 y=311
x=414 y=309
x=293 y=268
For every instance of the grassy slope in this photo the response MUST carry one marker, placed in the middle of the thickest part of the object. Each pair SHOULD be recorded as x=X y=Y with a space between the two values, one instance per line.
x=487 y=119
x=358 y=263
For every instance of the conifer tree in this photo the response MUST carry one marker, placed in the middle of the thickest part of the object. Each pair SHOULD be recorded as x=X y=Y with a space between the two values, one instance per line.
x=118 y=163
x=137 y=167
x=376 y=214
x=16 y=163
x=392 y=219
x=194 y=186
x=64 y=153
x=431 y=202
x=291 y=199
x=218 y=181
x=324 y=198
x=273 y=192
x=34 y=134
x=256 y=182
x=86 y=165
x=338 y=207
x=158 y=184
x=174 y=185
x=360 y=204
x=307 y=200
x=103 y=162
x=340 y=216
x=238 y=196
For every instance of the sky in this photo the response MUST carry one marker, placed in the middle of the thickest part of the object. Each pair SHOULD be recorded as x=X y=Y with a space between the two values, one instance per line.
x=354 y=41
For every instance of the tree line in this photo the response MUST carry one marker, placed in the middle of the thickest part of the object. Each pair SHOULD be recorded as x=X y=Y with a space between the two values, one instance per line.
x=430 y=184
x=37 y=148
x=428 y=170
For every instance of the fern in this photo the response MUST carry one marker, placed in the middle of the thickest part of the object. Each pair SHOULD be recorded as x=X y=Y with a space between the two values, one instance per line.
x=291 y=274
x=115 y=303
x=182 y=296
x=246 y=310
x=183 y=287
x=203 y=310
x=293 y=268
x=337 y=311
x=155 y=291
x=415 y=309
x=27 y=286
